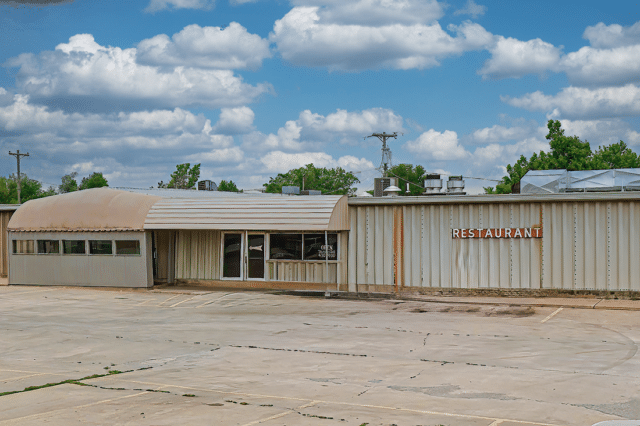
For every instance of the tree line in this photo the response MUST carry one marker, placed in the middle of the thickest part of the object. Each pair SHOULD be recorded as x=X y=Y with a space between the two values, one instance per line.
x=565 y=152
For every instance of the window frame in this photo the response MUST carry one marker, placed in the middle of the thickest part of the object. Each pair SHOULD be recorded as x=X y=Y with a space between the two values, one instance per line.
x=100 y=254
x=58 y=245
x=23 y=243
x=84 y=253
x=138 y=246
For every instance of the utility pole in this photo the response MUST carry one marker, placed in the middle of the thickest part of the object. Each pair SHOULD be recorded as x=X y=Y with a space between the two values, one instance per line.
x=18 y=155
x=386 y=151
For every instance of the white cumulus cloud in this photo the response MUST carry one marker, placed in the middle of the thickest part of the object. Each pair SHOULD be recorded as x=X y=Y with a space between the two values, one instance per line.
x=581 y=102
x=375 y=12
x=205 y=47
x=234 y=121
x=310 y=129
x=310 y=36
x=473 y=9
x=514 y=58
x=435 y=146
x=110 y=78
x=280 y=162
x=615 y=35
x=158 y=5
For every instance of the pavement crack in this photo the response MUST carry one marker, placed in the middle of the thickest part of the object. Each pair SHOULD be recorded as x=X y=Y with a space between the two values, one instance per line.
x=297 y=350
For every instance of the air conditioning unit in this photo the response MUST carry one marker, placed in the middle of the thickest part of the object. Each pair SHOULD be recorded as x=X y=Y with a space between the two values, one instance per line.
x=380 y=184
x=207 y=185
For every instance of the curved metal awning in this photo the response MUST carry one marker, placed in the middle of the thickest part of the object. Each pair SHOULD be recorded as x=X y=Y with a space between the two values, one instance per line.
x=99 y=209
x=251 y=212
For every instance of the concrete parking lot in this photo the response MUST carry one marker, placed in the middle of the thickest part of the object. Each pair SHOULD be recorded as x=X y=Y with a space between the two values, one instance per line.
x=171 y=356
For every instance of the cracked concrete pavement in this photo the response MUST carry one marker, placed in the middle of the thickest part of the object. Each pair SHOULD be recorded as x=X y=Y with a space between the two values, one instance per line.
x=249 y=358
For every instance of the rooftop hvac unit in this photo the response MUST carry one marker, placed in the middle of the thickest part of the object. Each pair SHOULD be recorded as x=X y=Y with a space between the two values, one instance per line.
x=432 y=185
x=380 y=184
x=455 y=185
x=291 y=190
x=207 y=185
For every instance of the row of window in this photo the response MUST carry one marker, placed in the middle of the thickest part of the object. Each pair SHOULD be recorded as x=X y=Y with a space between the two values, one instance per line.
x=303 y=247
x=122 y=247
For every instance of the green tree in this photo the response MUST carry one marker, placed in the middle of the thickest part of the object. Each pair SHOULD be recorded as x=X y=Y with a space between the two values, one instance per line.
x=329 y=181
x=69 y=183
x=228 y=186
x=567 y=152
x=413 y=175
x=96 y=180
x=185 y=176
x=615 y=156
x=30 y=189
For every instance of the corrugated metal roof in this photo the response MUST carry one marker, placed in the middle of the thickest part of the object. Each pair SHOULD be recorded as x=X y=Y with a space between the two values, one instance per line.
x=251 y=212
x=9 y=207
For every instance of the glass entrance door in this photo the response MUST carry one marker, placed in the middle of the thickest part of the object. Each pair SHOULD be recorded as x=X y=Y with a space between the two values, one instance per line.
x=255 y=256
x=232 y=256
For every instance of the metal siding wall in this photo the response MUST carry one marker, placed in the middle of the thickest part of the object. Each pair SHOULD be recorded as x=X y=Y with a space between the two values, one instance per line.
x=5 y=216
x=198 y=255
x=82 y=269
x=312 y=272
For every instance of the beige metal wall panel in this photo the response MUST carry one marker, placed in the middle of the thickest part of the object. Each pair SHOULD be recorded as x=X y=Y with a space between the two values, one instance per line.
x=5 y=216
x=198 y=255
x=352 y=251
x=428 y=256
x=82 y=269
x=312 y=272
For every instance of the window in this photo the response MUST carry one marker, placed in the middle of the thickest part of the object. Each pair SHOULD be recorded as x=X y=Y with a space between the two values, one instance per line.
x=290 y=247
x=128 y=247
x=286 y=247
x=23 y=247
x=48 y=246
x=100 y=247
x=315 y=247
x=73 y=247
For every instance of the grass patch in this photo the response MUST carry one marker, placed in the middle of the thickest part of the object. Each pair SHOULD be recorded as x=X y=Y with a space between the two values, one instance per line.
x=77 y=382
x=189 y=395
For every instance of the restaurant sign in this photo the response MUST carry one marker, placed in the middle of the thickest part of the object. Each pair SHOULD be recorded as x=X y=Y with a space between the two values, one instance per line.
x=497 y=233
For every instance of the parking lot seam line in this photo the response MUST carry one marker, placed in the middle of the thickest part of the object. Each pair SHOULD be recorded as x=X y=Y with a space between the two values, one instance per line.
x=350 y=404
x=33 y=372
x=172 y=297
x=146 y=301
x=13 y=379
x=30 y=292
x=551 y=315
x=277 y=416
x=60 y=410
x=214 y=300
x=496 y=423
x=185 y=300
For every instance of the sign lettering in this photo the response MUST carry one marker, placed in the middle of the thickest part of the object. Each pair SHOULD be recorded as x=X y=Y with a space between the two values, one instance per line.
x=496 y=233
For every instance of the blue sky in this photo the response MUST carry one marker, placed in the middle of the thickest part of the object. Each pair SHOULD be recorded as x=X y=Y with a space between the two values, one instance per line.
x=250 y=89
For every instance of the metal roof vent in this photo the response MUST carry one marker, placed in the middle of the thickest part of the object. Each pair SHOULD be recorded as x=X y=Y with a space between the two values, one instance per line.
x=432 y=184
x=455 y=185
x=392 y=191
